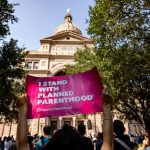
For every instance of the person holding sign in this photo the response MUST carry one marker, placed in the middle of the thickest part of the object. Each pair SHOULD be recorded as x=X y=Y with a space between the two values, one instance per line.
x=22 y=134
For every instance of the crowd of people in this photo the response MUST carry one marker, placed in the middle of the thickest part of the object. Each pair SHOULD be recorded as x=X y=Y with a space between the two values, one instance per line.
x=38 y=142
x=7 y=143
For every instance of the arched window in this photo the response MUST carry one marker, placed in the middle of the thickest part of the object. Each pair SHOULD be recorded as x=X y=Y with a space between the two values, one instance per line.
x=60 y=73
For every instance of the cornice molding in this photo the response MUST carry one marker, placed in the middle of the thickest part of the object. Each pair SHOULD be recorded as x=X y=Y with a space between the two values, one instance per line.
x=38 y=71
x=56 y=37
x=29 y=56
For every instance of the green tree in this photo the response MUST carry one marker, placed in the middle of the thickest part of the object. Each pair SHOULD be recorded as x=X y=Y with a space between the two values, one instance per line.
x=6 y=17
x=11 y=64
x=120 y=31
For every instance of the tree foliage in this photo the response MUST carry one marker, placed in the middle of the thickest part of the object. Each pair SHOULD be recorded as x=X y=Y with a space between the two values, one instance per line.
x=11 y=64
x=120 y=31
x=6 y=16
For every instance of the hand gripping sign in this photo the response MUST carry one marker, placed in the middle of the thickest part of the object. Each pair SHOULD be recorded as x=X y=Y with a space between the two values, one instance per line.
x=64 y=95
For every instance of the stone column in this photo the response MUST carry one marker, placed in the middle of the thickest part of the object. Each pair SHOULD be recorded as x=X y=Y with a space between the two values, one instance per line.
x=95 y=122
x=60 y=123
x=41 y=129
x=10 y=129
x=3 y=129
x=38 y=125
x=74 y=122
x=31 y=127
x=47 y=121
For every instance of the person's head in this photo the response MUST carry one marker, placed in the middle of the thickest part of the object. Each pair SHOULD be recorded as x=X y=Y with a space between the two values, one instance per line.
x=66 y=138
x=47 y=130
x=100 y=136
x=127 y=137
x=30 y=139
x=119 y=128
x=81 y=129
x=8 y=138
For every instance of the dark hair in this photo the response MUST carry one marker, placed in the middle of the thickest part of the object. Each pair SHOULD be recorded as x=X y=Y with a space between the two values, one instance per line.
x=100 y=136
x=66 y=138
x=47 y=130
x=118 y=127
x=82 y=129
x=127 y=137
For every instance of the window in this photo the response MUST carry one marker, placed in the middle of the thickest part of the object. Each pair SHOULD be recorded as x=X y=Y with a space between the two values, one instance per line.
x=54 y=125
x=29 y=65
x=68 y=38
x=35 y=65
x=80 y=122
x=67 y=122
x=32 y=65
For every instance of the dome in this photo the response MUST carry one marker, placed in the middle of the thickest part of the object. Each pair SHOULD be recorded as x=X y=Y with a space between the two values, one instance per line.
x=68 y=25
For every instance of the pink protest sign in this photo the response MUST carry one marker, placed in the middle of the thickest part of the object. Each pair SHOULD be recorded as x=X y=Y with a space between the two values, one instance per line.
x=64 y=95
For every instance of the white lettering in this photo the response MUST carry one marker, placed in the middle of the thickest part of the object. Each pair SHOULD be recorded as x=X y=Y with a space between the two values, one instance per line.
x=44 y=101
x=55 y=101
x=50 y=101
x=61 y=100
x=40 y=95
x=90 y=97
x=71 y=99
x=77 y=98
x=50 y=95
x=54 y=83
x=39 y=101
x=41 y=89
x=83 y=98
x=70 y=93
x=56 y=88
x=44 y=83
x=39 y=83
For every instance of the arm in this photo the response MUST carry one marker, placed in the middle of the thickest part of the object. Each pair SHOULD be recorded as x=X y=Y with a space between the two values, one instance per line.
x=107 y=124
x=22 y=131
x=143 y=145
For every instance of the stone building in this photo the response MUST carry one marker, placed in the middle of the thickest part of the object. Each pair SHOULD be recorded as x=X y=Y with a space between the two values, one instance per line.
x=49 y=60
